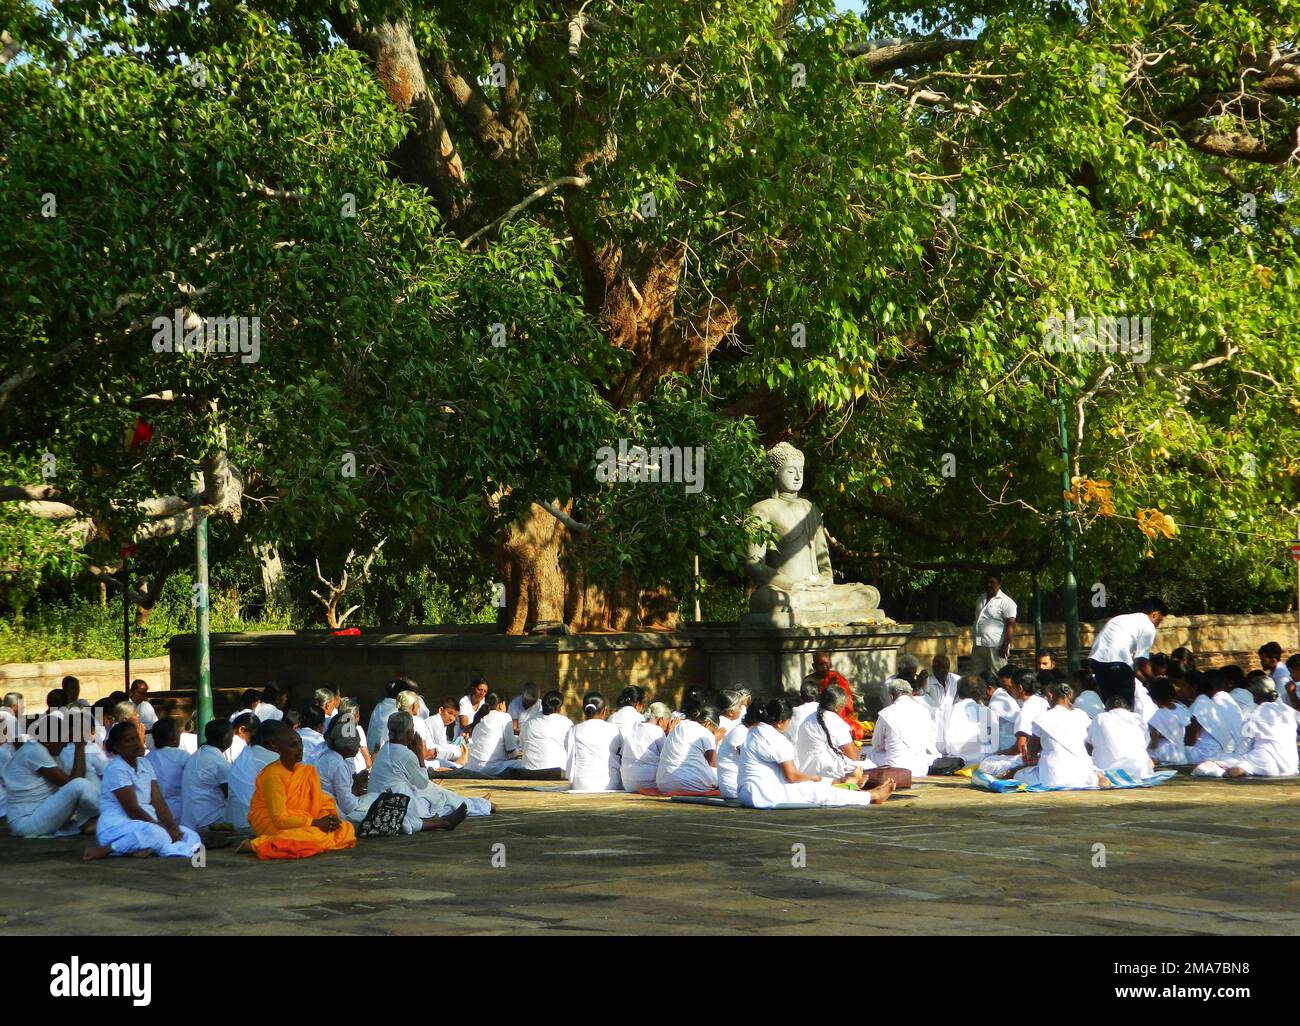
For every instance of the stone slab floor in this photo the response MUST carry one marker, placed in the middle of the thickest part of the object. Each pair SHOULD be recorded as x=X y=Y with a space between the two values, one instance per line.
x=1188 y=857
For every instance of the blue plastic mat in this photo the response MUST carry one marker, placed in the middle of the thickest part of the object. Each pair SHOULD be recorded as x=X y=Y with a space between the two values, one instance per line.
x=1119 y=780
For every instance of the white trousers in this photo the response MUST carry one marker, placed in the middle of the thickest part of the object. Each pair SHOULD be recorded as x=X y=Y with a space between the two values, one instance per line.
x=66 y=811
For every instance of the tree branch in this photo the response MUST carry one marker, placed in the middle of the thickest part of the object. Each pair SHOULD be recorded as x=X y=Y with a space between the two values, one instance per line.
x=892 y=54
x=573 y=181
x=564 y=518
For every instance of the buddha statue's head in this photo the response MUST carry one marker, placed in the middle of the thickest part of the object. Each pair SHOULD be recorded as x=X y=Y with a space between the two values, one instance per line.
x=787 y=467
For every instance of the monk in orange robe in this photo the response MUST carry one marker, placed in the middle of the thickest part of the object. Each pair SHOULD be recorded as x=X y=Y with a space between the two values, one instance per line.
x=824 y=676
x=292 y=816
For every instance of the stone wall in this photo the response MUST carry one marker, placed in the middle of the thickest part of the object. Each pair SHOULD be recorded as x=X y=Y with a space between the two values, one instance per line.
x=99 y=677
x=1215 y=638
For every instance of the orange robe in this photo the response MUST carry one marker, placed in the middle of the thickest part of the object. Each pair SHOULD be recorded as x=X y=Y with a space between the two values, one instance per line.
x=284 y=804
x=847 y=714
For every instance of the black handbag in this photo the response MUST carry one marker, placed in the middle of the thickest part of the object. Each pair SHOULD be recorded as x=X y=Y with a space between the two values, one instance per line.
x=385 y=816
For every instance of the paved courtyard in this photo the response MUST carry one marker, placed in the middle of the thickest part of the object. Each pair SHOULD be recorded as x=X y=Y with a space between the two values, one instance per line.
x=1188 y=857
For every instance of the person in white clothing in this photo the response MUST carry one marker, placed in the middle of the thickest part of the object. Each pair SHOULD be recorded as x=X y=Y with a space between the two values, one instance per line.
x=809 y=695
x=349 y=707
x=594 y=750
x=995 y=627
x=436 y=755
x=1059 y=745
x=168 y=761
x=335 y=764
x=1117 y=740
x=1025 y=690
x=1119 y=644
x=471 y=703
x=397 y=768
x=824 y=745
x=493 y=747
x=311 y=731
x=524 y=706
x=377 y=728
x=205 y=779
x=688 y=759
x=732 y=745
x=970 y=731
x=96 y=758
x=541 y=741
x=271 y=707
x=243 y=727
x=642 y=745
x=1271 y=662
x=732 y=703
x=1168 y=725
x=904 y=737
x=1215 y=730
x=243 y=773
x=1005 y=710
x=1085 y=694
x=769 y=778
x=44 y=800
x=134 y=818
x=630 y=708
x=139 y=695
x=941 y=683
x=1268 y=741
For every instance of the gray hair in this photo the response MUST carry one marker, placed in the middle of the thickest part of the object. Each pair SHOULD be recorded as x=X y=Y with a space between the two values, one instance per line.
x=348 y=705
x=897 y=687
x=531 y=691
x=401 y=726
x=408 y=700
x=1263 y=689
x=124 y=711
x=907 y=661
x=324 y=696
x=658 y=711
x=734 y=698
x=12 y=700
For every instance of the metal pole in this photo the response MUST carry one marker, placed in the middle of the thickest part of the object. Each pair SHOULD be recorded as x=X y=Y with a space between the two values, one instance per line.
x=1038 y=616
x=1070 y=586
x=203 y=700
x=126 y=624
x=696 y=587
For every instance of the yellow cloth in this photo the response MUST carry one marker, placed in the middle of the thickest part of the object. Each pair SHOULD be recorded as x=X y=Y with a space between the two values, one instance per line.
x=285 y=802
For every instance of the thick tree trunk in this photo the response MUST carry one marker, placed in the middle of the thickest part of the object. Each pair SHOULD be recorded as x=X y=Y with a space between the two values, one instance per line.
x=539 y=587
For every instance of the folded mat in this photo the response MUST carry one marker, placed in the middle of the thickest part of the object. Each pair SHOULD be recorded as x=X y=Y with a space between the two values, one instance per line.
x=654 y=792
x=732 y=803
x=1119 y=780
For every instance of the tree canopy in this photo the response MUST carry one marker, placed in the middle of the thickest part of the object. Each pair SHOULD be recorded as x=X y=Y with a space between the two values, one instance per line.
x=483 y=242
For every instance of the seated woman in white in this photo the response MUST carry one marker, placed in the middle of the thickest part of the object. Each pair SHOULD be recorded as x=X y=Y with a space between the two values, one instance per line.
x=493 y=747
x=96 y=758
x=133 y=815
x=809 y=695
x=630 y=708
x=1086 y=695
x=1024 y=689
x=688 y=758
x=904 y=737
x=643 y=743
x=1268 y=740
x=970 y=732
x=243 y=774
x=824 y=745
x=168 y=761
x=730 y=751
x=1168 y=726
x=349 y=707
x=336 y=766
x=1215 y=729
x=768 y=776
x=399 y=767
x=437 y=754
x=1118 y=741
x=43 y=799
x=732 y=703
x=594 y=750
x=541 y=737
x=1060 y=744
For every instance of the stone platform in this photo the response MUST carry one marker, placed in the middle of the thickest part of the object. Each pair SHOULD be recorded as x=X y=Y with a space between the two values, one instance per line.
x=443 y=660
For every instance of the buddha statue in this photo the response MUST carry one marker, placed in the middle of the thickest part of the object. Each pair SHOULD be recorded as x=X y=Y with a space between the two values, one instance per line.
x=793 y=585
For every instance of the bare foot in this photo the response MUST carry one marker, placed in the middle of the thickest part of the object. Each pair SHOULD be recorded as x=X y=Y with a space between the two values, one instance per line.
x=96 y=851
x=880 y=795
x=1102 y=781
x=91 y=823
x=454 y=819
x=245 y=846
x=495 y=808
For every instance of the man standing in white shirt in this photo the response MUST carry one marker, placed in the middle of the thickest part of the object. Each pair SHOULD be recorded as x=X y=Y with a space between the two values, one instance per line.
x=1123 y=640
x=994 y=629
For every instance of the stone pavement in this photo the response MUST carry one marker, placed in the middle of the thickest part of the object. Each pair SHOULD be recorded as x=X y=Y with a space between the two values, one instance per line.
x=1187 y=857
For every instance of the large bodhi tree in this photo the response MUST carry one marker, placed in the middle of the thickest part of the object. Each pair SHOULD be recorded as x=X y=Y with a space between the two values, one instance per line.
x=849 y=229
